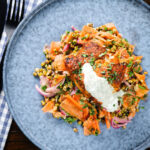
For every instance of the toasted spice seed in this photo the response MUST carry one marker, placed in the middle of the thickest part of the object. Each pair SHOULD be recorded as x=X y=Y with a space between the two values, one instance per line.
x=37 y=69
x=44 y=72
x=75 y=129
x=43 y=102
x=90 y=25
x=34 y=74
x=42 y=64
x=79 y=122
x=40 y=74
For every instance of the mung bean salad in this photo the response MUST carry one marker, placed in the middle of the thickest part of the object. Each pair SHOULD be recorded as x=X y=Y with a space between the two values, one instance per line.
x=92 y=76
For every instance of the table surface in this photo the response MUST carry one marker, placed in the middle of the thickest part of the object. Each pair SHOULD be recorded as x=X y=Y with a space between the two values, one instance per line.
x=16 y=139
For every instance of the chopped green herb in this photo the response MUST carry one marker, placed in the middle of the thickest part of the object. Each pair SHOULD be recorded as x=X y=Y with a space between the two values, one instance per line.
x=78 y=91
x=75 y=71
x=130 y=63
x=126 y=40
x=110 y=46
x=85 y=106
x=102 y=54
x=130 y=53
x=84 y=55
x=141 y=107
x=79 y=64
x=99 y=65
x=113 y=42
x=111 y=32
x=85 y=37
x=70 y=120
x=67 y=32
x=80 y=70
x=103 y=72
x=110 y=80
x=94 y=67
x=145 y=96
x=105 y=28
x=138 y=70
x=74 y=42
x=115 y=75
x=109 y=67
x=128 y=94
x=92 y=112
x=121 y=44
x=96 y=133
x=121 y=100
x=81 y=101
x=130 y=73
x=142 y=87
x=133 y=100
x=113 y=105
x=80 y=76
x=44 y=88
x=92 y=61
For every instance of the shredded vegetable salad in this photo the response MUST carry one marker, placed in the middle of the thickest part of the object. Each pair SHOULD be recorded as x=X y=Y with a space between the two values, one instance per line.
x=92 y=76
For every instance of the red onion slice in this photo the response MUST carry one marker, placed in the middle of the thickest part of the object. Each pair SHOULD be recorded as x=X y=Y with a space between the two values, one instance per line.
x=73 y=28
x=74 y=91
x=66 y=47
x=62 y=112
x=44 y=93
x=44 y=81
x=120 y=122
x=51 y=91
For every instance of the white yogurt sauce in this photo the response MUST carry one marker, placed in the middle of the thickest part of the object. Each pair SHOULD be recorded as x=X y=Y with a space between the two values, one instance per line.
x=99 y=88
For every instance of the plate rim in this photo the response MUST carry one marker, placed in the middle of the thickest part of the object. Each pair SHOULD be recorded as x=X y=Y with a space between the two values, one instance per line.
x=16 y=33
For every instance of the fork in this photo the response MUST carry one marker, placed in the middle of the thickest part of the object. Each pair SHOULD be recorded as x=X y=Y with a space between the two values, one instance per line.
x=15 y=16
x=13 y=19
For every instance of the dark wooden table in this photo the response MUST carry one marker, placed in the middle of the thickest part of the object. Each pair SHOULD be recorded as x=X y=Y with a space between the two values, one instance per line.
x=17 y=141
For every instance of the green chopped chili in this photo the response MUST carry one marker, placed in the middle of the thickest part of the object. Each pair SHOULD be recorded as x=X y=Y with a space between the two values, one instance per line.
x=130 y=63
x=142 y=87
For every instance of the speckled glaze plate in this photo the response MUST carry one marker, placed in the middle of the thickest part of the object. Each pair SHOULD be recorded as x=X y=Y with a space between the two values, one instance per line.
x=24 y=53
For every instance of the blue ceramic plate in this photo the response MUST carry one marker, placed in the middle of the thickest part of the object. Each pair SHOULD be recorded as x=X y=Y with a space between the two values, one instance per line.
x=24 y=53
